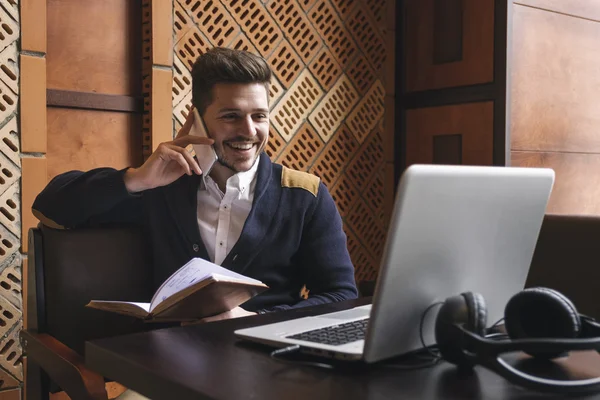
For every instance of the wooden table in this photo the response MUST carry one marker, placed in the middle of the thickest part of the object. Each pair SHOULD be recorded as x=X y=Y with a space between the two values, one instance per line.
x=207 y=362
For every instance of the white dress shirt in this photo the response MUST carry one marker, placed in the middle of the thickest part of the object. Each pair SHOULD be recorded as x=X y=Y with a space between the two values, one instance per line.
x=221 y=216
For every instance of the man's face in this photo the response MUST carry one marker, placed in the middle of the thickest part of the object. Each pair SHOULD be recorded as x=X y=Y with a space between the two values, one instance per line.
x=238 y=121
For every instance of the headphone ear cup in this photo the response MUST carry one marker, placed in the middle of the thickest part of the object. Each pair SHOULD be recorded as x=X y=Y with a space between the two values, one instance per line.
x=467 y=309
x=477 y=312
x=541 y=313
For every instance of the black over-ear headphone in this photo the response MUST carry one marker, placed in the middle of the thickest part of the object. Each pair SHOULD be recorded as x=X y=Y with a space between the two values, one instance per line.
x=539 y=321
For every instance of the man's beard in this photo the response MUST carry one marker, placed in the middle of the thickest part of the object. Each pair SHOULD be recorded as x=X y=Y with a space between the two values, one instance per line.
x=223 y=162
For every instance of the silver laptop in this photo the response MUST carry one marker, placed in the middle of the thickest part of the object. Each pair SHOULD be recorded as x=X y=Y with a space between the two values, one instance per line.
x=453 y=229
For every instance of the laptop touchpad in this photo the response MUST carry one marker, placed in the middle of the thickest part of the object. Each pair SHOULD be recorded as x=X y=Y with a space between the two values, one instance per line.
x=348 y=314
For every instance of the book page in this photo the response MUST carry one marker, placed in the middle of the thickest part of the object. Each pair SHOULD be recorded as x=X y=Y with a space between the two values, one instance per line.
x=116 y=304
x=195 y=270
x=139 y=310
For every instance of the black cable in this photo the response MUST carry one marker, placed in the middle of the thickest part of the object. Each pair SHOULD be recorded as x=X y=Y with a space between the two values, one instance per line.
x=496 y=323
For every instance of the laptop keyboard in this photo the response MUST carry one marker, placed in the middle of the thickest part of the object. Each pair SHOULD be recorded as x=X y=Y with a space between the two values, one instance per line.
x=335 y=335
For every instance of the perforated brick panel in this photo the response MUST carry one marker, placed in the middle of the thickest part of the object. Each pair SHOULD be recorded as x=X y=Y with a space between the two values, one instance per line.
x=11 y=283
x=11 y=354
x=242 y=43
x=361 y=74
x=367 y=114
x=367 y=35
x=9 y=29
x=374 y=193
x=182 y=81
x=182 y=22
x=325 y=68
x=8 y=101
x=335 y=157
x=344 y=7
x=214 y=21
x=8 y=67
x=367 y=161
x=334 y=107
x=295 y=105
x=276 y=90
x=302 y=150
x=9 y=141
x=377 y=8
x=369 y=230
x=365 y=267
x=191 y=46
x=296 y=27
x=11 y=371
x=10 y=210
x=275 y=145
x=257 y=24
x=183 y=108
x=333 y=31
x=344 y=194
x=286 y=64
x=12 y=6
x=326 y=96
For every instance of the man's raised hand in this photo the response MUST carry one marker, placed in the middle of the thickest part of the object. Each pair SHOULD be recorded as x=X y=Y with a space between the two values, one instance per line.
x=168 y=162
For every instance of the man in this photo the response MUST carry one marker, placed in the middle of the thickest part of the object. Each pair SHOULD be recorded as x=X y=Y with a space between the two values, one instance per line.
x=249 y=215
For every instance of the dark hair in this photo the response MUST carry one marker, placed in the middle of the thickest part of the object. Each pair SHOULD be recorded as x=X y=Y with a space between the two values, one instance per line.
x=221 y=65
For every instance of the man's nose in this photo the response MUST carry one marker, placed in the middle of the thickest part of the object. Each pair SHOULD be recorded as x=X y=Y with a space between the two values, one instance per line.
x=248 y=127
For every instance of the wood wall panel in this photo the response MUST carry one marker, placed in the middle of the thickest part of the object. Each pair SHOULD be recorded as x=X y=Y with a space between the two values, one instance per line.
x=577 y=185
x=555 y=82
x=589 y=9
x=474 y=122
x=476 y=62
x=110 y=139
x=94 y=46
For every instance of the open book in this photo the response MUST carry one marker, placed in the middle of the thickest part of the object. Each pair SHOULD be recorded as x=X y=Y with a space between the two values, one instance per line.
x=198 y=289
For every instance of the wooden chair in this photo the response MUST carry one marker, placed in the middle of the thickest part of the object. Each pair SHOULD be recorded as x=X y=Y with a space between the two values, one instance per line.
x=67 y=269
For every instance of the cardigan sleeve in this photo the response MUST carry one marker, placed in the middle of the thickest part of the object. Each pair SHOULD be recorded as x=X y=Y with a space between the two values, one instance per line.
x=97 y=197
x=323 y=254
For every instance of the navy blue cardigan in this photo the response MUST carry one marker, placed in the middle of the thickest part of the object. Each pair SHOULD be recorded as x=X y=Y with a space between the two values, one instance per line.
x=293 y=235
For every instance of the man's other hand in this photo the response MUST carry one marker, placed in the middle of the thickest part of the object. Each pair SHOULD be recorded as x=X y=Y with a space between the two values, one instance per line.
x=234 y=313
x=168 y=162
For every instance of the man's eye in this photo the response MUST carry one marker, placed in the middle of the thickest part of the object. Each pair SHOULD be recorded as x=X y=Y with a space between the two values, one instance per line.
x=261 y=116
x=229 y=116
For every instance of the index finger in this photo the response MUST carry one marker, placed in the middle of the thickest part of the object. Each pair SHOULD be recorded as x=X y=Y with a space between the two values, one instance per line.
x=186 y=140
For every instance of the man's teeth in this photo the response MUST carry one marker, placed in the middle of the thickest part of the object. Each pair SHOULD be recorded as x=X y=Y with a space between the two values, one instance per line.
x=241 y=146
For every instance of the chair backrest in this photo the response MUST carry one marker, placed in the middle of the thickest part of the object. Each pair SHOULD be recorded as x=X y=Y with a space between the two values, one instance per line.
x=567 y=259
x=68 y=268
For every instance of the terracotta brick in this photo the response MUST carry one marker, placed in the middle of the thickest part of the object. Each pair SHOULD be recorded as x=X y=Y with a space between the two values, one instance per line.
x=162 y=33
x=34 y=179
x=12 y=394
x=33 y=104
x=33 y=25
x=162 y=108
x=7 y=381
